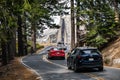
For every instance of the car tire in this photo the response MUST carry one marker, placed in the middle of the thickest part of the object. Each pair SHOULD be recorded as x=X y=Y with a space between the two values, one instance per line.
x=49 y=57
x=69 y=68
x=75 y=68
x=63 y=58
x=68 y=65
x=100 y=68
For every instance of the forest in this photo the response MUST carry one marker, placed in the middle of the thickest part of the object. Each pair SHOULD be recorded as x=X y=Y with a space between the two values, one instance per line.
x=20 y=20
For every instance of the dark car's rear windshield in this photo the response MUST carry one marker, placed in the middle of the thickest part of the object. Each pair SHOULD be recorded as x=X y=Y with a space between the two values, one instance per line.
x=89 y=51
x=61 y=48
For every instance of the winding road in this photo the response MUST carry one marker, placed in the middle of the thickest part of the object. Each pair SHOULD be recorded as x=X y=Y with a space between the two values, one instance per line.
x=57 y=69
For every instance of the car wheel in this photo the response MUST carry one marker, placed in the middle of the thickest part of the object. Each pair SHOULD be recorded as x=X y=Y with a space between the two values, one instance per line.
x=68 y=65
x=100 y=68
x=49 y=57
x=63 y=58
x=75 y=67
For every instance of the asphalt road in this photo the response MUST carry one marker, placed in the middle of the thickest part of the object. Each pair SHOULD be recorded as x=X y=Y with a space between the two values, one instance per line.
x=57 y=70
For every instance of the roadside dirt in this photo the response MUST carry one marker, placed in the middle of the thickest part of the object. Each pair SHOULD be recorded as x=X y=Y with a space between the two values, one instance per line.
x=111 y=53
x=16 y=71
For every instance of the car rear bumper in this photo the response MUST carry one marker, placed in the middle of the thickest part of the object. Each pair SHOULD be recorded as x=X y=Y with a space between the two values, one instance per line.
x=90 y=65
x=58 y=56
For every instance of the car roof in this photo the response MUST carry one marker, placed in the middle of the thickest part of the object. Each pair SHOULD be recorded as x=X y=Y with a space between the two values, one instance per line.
x=86 y=47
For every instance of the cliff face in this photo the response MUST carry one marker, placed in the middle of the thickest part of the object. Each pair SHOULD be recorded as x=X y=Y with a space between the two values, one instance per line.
x=111 y=53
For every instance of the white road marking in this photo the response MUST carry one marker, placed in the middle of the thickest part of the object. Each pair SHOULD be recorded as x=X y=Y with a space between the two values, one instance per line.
x=31 y=69
x=112 y=67
x=45 y=59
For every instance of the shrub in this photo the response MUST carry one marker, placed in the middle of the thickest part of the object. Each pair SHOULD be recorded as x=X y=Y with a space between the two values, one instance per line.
x=107 y=61
x=38 y=46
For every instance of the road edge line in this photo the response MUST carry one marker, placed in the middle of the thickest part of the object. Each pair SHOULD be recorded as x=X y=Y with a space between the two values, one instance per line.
x=31 y=69
x=45 y=59
x=111 y=67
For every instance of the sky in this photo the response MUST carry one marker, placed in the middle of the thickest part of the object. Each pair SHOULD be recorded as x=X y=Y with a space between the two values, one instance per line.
x=56 y=19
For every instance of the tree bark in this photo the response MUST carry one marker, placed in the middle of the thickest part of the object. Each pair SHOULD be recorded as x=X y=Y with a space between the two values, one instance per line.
x=72 y=25
x=20 y=37
x=33 y=29
x=12 y=45
x=116 y=11
x=4 y=53
x=25 y=40
x=77 y=21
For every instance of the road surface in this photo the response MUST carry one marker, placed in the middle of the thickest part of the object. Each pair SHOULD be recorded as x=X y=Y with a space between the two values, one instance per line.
x=57 y=69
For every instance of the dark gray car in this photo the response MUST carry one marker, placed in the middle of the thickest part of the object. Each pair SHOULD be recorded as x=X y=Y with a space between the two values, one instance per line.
x=85 y=57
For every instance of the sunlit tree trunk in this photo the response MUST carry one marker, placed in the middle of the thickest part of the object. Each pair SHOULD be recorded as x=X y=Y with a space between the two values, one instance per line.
x=77 y=21
x=33 y=29
x=72 y=25
x=116 y=11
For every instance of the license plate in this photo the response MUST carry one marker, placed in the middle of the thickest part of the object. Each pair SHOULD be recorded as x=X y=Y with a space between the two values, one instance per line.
x=58 y=53
x=91 y=59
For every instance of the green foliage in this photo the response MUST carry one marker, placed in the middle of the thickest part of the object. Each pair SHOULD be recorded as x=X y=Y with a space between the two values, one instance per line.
x=98 y=17
x=38 y=46
x=22 y=16
x=37 y=12
x=26 y=5
x=97 y=41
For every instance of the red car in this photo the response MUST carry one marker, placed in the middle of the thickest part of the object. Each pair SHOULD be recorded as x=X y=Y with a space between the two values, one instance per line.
x=56 y=53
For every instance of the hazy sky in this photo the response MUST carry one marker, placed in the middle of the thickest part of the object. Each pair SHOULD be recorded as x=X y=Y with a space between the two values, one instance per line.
x=56 y=19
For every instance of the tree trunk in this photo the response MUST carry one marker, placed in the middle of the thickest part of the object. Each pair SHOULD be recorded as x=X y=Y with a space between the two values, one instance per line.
x=72 y=25
x=77 y=21
x=4 y=53
x=20 y=37
x=12 y=45
x=116 y=12
x=25 y=40
x=33 y=38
